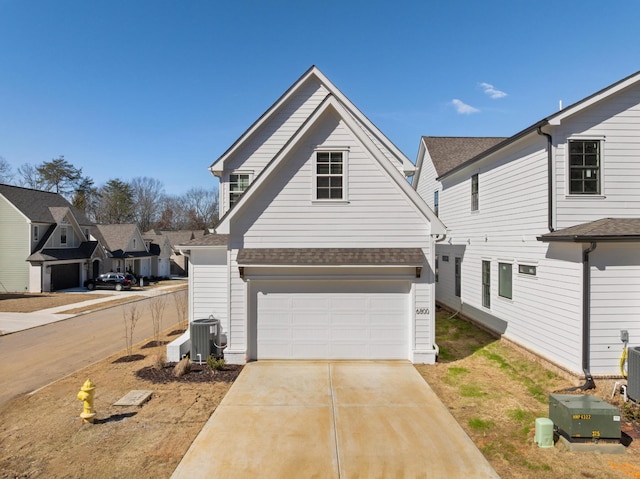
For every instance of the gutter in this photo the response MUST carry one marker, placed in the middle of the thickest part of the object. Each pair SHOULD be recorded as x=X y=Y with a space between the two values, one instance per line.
x=586 y=317
x=549 y=178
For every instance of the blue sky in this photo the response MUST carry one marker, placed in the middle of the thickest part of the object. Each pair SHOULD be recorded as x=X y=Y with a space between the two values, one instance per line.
x=162 y=88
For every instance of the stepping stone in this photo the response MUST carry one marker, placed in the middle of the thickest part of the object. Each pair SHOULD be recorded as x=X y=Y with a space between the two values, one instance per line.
x=134 y=398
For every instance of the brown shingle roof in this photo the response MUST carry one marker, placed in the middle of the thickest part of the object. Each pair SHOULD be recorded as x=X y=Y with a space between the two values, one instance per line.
x=606 y=229
x=447 y=152
x=331 y=256
x=207 y=240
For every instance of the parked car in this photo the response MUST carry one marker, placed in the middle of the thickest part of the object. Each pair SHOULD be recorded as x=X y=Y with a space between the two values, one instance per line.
x=115 y=281
x=131 y=278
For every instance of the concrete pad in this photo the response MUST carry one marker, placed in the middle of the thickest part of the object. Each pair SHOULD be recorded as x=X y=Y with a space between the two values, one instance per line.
x=134 y=398
x=330 y=420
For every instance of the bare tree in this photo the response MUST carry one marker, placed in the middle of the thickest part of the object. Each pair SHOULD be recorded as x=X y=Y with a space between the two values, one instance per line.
x=202 y=207
x=6 y=173
x=131 y=315
x=147 y=198
x=156 y=306
x=29 y=177
x=181 y=301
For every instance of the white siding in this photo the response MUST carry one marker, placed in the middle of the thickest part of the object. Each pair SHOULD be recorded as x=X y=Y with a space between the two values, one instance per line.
x=617 y=122
x=209 y=285
x=377 y=213
x=615 y=303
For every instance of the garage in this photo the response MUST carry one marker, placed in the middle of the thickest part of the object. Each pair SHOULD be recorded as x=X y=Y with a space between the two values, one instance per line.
x=64 y=276
x=332 y=319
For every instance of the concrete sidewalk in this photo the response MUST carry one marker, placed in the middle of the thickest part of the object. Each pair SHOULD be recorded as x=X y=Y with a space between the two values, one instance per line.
x=332 y=420
x=14 y=322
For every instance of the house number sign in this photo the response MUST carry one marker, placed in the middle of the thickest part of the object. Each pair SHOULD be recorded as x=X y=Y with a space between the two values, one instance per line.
x=422 y=310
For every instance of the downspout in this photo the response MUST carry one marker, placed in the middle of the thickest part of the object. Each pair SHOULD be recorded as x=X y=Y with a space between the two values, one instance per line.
x=586 y=317
x=549 y=178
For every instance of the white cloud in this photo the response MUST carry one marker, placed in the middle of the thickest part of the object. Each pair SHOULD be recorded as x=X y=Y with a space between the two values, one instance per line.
x=462 y=108
x=491 y=91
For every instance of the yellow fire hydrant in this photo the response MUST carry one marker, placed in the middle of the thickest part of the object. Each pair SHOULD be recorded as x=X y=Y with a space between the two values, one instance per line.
x=86 y=394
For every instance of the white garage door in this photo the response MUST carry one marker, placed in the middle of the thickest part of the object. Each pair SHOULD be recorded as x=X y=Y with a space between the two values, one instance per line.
x=333 y=320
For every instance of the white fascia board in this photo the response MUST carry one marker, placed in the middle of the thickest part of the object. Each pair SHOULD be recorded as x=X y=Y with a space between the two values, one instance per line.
x=419 y=160
x=557 y=119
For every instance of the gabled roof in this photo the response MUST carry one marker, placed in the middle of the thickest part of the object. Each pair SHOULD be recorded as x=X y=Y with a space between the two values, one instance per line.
x=175 y=237
x=84 y=251
x=555 y=119
x=205 y=241
x=36 y=204
x=116 y=237
x=314 y=72
x=333 y=103
x=447 y=152
x=606 y=229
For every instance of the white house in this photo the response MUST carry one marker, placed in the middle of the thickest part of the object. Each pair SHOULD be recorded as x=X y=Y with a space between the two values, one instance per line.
x=323 y=249
x=543 y=229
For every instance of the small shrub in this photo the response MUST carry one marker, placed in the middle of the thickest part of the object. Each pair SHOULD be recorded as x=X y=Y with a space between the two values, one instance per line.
x=182 y=368
x=158 y=361
x=216 y=364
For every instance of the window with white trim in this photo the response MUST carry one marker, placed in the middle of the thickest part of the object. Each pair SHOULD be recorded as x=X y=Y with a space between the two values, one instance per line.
x=584 y=167
x=63 y=235
x=36 y=233
x=505 y=280
x=527 y=269
x=330 y=175
x=238 y=183
x=436 y=202
x=458 y=277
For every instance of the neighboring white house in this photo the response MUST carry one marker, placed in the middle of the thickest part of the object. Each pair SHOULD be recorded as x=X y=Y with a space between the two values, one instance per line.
x=128 y=251
x=543 y=229
x=44 y=242
x=323 y=249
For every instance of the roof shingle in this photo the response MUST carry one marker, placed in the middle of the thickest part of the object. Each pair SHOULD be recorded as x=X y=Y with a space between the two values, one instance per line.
x=331 y=256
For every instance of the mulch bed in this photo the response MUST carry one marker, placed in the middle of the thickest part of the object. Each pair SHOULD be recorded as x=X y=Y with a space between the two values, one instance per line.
x=129 y=359
x=198 y=374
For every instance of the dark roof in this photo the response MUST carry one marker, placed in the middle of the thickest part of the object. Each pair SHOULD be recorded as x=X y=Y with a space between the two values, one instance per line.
x=175 y=237
x=606 y=229
x=37 y=205
x=331 y=256
x=207 y=240
x=84 y=251
x=447 y=152
x=116 y=236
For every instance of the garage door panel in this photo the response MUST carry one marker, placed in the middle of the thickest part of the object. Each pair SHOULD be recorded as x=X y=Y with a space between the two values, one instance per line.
x=332 y=320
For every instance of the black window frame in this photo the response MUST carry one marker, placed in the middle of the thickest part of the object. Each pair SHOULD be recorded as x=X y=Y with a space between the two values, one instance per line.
x=475 y=189
x=458 y=277
x=486 y=283
x=585 y=166
x=436 y=202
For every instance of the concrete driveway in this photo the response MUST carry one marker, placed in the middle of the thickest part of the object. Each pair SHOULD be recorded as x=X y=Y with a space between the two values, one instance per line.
x=332 y=420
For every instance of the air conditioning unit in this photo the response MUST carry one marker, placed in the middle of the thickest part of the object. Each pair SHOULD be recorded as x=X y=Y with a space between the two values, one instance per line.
x=633 y=373
x=205 y=339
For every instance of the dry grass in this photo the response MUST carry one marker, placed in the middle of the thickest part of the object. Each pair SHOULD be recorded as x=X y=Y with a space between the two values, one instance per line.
x=495 y=392
x=42 y=435
x=30 y=302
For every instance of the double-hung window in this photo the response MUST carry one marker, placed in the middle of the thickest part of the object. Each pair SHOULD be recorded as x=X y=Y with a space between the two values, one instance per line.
x=474 y=192
x=584 y=167
x=505 y=280
x=330 y=175
x=238 y=183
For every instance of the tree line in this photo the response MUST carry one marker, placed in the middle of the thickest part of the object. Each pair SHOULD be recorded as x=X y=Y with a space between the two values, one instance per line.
x=141 y=200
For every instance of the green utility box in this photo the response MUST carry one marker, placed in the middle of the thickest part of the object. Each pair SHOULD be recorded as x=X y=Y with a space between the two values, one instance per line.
x=578 y=417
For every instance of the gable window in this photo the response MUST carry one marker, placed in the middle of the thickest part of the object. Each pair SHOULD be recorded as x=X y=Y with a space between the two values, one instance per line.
x=486 y=284
x=474 y=192
x=238 y=183
x=584 y=167
x=36 y=233
x=505 y=280
x=436 y=202
x=330 y=175
x=63 y=235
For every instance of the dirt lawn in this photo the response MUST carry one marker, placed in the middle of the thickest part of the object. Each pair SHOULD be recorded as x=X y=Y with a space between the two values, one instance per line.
x=30 y=302
x=496 y=392
x=493 y=390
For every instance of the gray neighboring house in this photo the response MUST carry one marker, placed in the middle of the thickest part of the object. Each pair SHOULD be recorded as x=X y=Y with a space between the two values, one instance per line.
x=128 y=251
x=179 y=263
x=45 y=242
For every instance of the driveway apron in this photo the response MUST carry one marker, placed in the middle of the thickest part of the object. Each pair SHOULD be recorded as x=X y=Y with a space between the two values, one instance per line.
x=337 y=419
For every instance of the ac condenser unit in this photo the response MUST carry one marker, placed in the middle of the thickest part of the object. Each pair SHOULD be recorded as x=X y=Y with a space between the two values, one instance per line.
x=633 y=371
x=205 y=337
